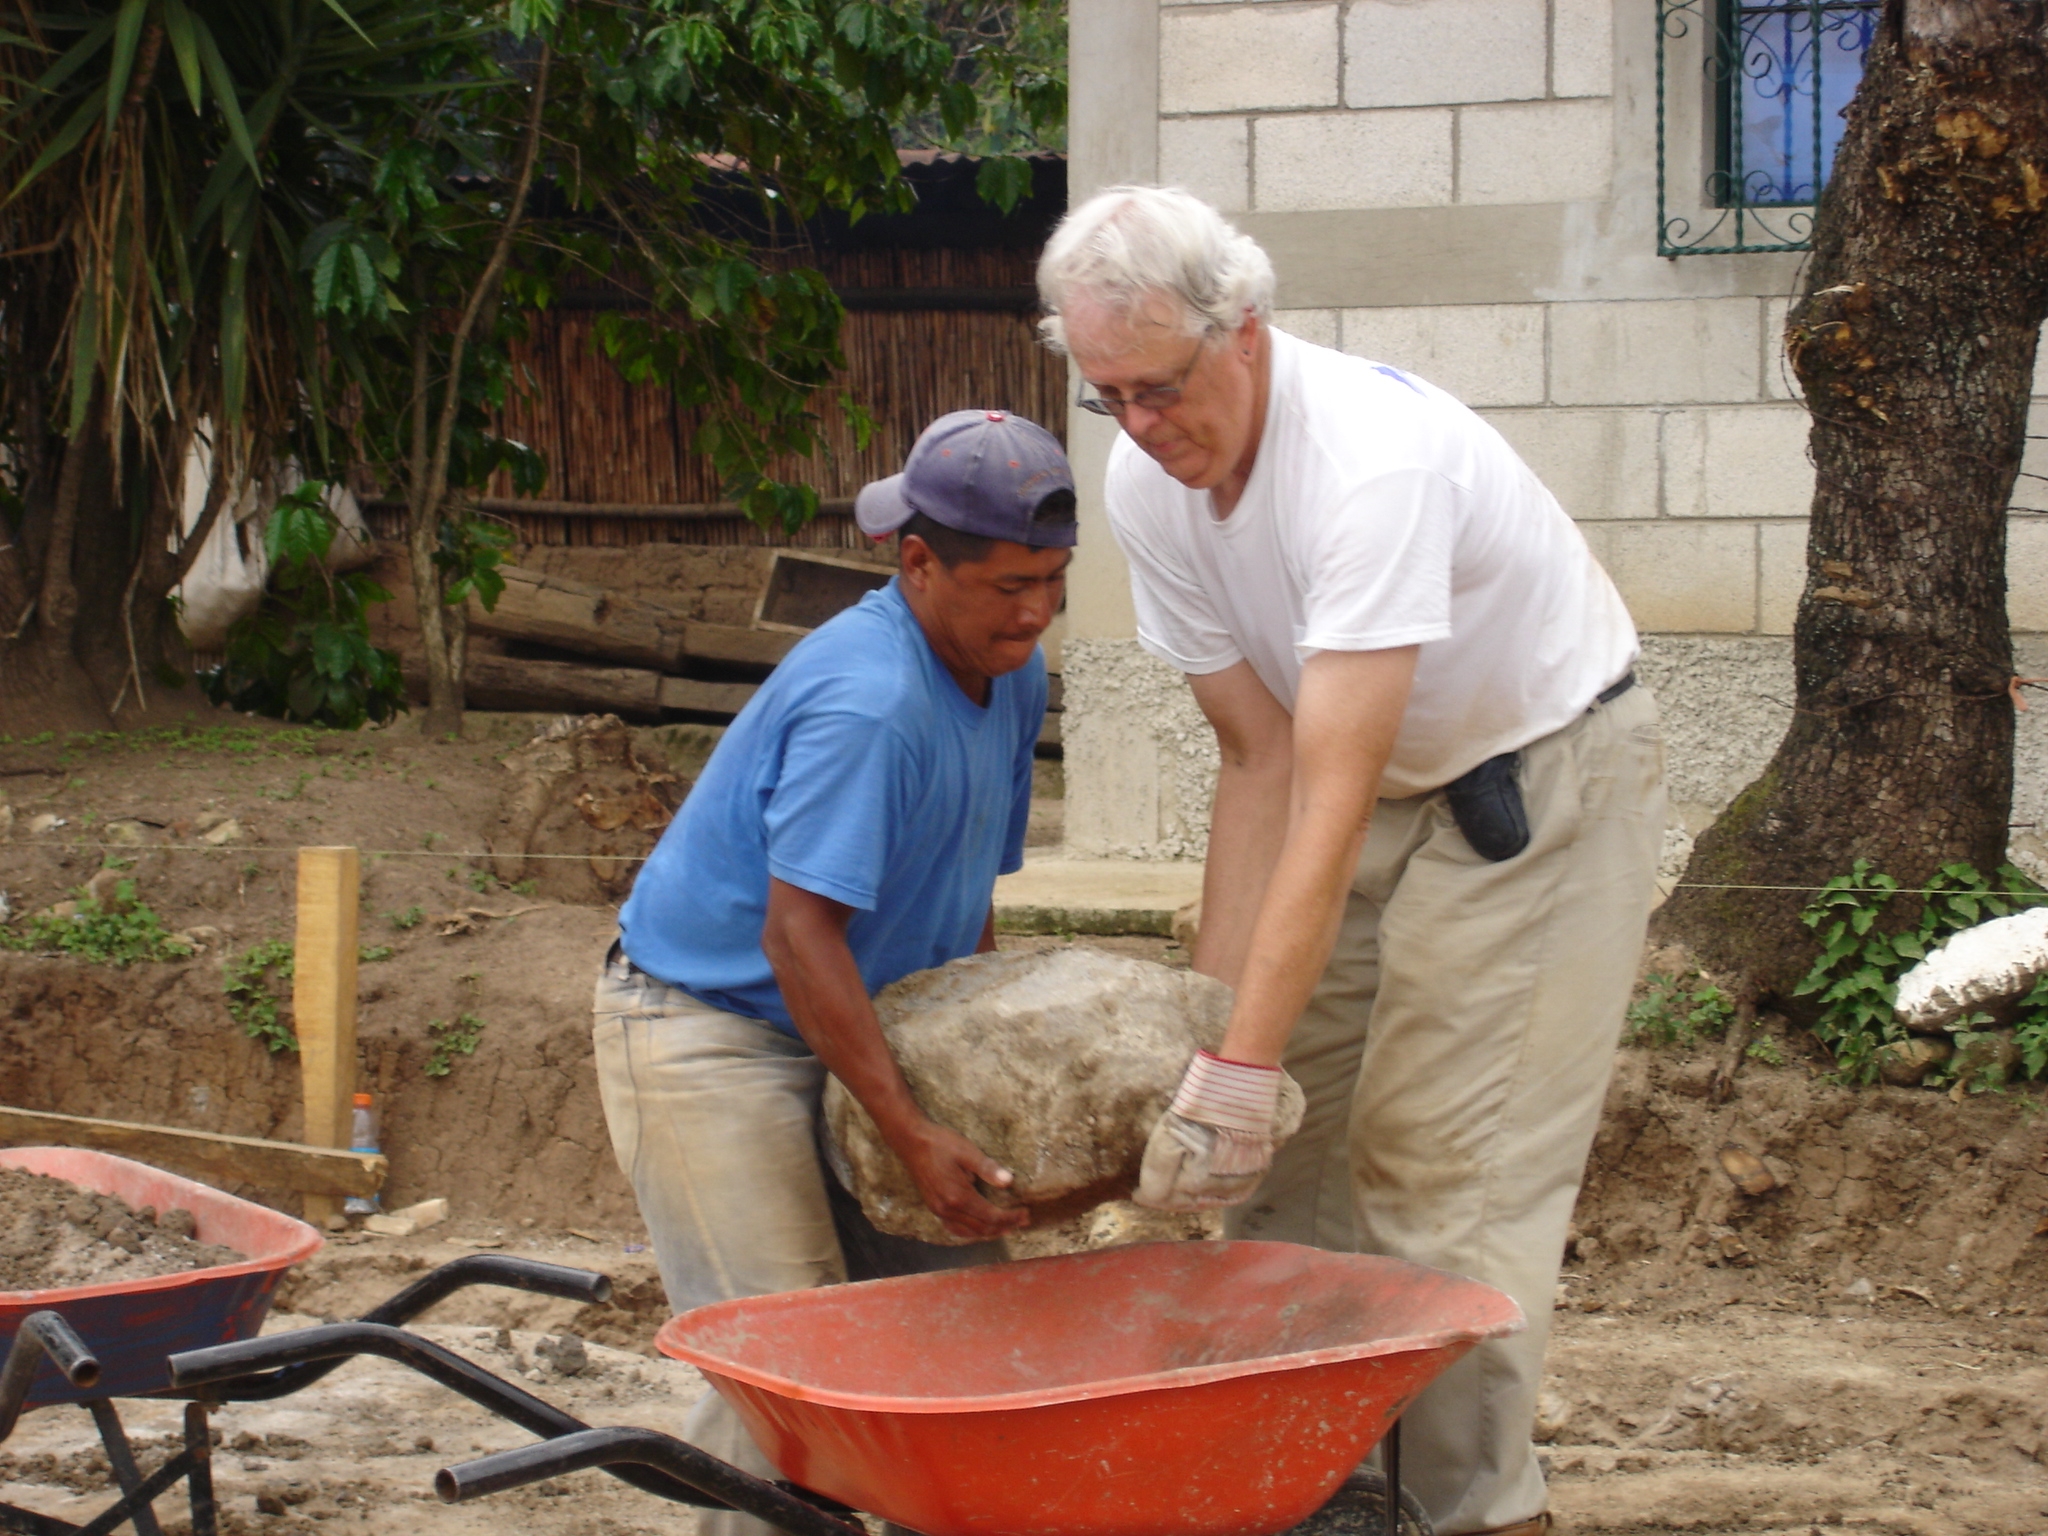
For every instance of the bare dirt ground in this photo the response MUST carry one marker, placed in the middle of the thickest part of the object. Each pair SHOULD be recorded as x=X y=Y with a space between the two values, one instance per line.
x=1863 y=1348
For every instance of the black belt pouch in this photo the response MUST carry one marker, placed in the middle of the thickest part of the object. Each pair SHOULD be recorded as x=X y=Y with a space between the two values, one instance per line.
x=1487 y=805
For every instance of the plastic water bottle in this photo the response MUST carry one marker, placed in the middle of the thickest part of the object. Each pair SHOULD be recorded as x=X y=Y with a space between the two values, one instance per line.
x=362 y=1137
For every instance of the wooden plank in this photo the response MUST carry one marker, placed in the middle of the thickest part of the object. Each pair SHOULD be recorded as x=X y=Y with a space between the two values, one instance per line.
x=576 y=616
x=324 y=998
x=732 y=643
x=841 y=505
x=227 y=1160
x=705 y=698
x=504 y=682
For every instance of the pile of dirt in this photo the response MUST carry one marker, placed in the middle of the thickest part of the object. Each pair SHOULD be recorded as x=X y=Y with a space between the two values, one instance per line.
x=54 y=1233
x=1918 y=1199
x=513 y=1128
x=581 y=786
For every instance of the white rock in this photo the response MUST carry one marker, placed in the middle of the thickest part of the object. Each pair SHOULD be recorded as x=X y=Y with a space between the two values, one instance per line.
x=1979 y=966
x=226 y=832
x=48 y=821
x=1056 y=1063
x=428 y=1213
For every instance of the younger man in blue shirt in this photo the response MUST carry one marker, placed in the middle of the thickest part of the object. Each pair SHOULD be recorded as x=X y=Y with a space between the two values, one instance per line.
x=847 y=831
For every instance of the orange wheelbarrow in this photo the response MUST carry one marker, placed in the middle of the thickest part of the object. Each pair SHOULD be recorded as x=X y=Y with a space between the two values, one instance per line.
x=1163 y=1389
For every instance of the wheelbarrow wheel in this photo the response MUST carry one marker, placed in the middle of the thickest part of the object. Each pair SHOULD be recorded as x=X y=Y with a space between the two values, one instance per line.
x=1359 y=1508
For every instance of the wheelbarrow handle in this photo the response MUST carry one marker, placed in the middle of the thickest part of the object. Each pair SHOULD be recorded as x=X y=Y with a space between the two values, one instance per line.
x=228 y=1365
x=300 y=1370
x=624 y=1444
x=228 y=1369
x=505 y=1269
x=42 y=1335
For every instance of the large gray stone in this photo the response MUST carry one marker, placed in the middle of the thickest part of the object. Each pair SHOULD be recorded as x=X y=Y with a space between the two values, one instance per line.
x=1056 y=1063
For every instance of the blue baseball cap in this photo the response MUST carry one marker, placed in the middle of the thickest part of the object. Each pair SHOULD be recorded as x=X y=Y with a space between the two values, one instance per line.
x=985 y=473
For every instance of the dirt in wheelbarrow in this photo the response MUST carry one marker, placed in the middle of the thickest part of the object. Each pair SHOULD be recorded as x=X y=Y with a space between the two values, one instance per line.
x=53 y=1233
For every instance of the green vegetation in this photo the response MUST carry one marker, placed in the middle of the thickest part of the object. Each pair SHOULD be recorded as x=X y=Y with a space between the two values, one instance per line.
x=410 y=918
x=305 y=654
x=251 y=1001
x=117 y=934
x=319 y=232
x=452 y=1040
x=1678 y=1011
x=483 y=881
x=369 y=954
x=1855 y=979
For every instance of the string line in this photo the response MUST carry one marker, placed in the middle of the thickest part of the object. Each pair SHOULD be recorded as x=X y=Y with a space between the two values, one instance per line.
x=636 y=858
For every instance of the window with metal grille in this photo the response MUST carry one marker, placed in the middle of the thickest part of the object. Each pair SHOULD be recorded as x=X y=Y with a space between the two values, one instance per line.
x=1749 y=111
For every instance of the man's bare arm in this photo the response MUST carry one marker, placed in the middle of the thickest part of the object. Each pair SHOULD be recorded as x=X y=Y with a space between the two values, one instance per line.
x=1346 y=716
x=804 y=938
x=1248 y=817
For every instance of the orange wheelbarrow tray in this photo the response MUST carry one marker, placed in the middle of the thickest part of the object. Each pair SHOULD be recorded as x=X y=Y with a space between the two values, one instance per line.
x=1162 y=1389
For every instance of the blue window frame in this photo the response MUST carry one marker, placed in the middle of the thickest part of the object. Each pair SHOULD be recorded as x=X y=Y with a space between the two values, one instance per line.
x=1775 y=77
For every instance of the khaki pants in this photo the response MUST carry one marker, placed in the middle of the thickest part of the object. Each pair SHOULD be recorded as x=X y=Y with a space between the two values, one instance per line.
x=714 y=1120
x=1455 y=1057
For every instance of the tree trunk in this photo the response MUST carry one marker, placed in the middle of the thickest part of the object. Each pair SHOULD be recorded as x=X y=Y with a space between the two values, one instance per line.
x=1914 y=345
x=444 y=629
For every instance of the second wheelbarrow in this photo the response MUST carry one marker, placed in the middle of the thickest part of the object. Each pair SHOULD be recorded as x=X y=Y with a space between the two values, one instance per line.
x=1166 y=1389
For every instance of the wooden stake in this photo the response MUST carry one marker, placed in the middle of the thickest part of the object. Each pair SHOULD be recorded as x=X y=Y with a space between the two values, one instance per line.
x=324 y=1000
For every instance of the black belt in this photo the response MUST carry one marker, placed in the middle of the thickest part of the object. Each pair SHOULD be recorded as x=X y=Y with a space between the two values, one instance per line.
x=1613 y=691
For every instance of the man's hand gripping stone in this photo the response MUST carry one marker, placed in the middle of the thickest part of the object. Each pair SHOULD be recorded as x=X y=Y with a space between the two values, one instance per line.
x=951 y=1173
x=1216 y=1142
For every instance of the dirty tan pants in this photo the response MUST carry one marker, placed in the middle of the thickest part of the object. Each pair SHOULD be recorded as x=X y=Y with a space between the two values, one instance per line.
x=1455 y=1057
x=714 y=1120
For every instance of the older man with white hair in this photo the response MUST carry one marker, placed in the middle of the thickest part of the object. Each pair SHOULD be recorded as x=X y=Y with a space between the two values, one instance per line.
x=1439 y=809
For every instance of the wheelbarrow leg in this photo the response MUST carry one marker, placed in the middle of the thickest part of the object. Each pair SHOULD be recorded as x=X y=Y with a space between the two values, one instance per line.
x=121 y=1456
x=1390 y=1458
x=199 y=1481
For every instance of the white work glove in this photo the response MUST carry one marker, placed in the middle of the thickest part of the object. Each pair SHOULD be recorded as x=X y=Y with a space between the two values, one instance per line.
x=1215 y=1143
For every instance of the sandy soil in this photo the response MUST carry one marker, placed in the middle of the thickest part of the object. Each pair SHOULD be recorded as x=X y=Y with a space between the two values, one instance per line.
x=1868 y=1417
x=1862 y=1348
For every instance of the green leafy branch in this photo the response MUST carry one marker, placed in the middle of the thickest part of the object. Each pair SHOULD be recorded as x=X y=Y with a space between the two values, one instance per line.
x=1854 y=980
x=1674 y=1012
x=247 y=986
x=119 y=933
x=459 y=1038
x=306 y=653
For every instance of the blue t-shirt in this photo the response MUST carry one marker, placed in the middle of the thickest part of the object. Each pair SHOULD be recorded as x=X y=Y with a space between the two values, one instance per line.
x=860 y=772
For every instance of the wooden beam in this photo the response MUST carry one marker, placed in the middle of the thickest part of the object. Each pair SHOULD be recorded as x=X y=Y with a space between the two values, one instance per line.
x=735 y=643
x=324 y=998
x=706 y=698
x=504 y=682
x=576 y=616
x=516 y=505
x=279 y=1165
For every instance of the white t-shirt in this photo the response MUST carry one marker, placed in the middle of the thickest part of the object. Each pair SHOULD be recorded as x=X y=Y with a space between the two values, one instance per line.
x=1380 y=513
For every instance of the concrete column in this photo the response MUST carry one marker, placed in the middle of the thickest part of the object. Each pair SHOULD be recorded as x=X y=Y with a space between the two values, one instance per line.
x=1112 y=137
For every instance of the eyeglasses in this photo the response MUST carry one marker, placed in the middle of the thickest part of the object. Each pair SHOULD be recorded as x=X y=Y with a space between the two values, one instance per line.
x=1160 y=397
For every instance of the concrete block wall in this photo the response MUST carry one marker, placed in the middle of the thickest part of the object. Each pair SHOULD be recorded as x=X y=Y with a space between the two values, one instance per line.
x=1467 y=189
